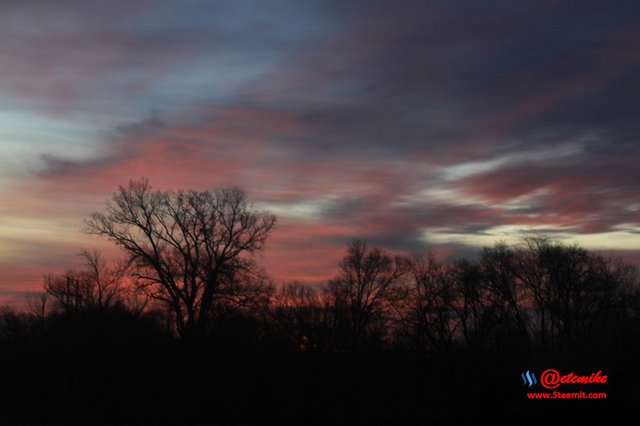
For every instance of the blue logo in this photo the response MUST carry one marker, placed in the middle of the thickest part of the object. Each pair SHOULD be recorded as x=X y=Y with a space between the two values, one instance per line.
x=528 y=378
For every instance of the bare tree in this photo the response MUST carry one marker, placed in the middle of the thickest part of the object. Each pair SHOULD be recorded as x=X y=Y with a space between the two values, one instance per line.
x=185 y=246
x=99 y=286
x=360 y=297
x=571 y=291
x=435 y=309
x=37 y=302
x=506 y=293
x=473 y=305
x=298 y=314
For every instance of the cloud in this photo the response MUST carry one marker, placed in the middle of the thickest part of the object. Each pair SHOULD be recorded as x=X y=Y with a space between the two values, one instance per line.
x=427 y=125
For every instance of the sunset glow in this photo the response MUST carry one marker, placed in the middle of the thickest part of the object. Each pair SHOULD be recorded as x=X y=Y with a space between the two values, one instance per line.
x=442 y=126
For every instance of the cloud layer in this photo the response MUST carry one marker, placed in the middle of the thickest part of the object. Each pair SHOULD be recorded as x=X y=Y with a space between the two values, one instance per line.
x=422 y=126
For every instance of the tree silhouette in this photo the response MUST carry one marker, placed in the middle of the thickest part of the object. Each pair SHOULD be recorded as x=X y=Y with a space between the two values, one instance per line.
x=360 y=296
x=506 y=294
x=478 y=315
x=37 y=303
x=388 y=341
x=572 y=291
x=99 y=286
x=433 y=315
x=185 y=246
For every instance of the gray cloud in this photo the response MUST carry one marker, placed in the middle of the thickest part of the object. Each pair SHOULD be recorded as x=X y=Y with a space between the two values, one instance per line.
x=364 y=109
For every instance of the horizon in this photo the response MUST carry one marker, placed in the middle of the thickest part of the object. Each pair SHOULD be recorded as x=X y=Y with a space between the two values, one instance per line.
x=429 y=127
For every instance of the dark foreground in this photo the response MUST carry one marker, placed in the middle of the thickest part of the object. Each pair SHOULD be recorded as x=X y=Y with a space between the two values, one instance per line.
x=388 y=342
x=124 y=371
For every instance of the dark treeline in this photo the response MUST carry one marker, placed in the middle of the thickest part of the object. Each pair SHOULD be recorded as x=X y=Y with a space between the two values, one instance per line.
x=188 y=330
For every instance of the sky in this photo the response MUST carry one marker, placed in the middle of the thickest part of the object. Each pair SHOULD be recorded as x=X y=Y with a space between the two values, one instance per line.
x=438 y=126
